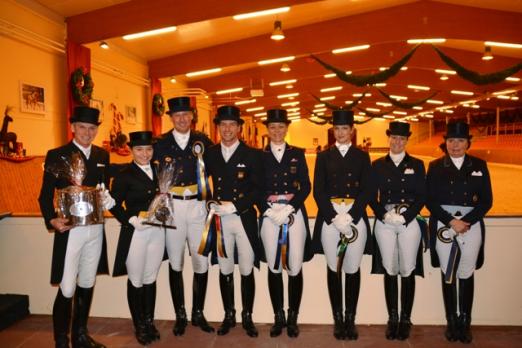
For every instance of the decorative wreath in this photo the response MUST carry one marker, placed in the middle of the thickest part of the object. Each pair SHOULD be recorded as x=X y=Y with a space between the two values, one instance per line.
x=158 y=104
x=82 y=86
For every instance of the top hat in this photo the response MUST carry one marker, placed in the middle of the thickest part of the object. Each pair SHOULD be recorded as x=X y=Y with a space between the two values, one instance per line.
x=85 y=114
x=457 y=130
x=342 y=117
x=228 y=113
x=398 y=128
x=276 y=116
x=179 y=104
x=140 y=138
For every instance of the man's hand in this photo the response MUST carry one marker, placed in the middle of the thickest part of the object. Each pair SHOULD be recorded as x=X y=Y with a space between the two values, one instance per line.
x=60 y=224
x=137 y=223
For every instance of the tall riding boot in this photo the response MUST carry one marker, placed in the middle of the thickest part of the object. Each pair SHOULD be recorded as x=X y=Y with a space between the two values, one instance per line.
x=295 y=292
x=335 y=290
x=391 y=295
x=199 y=291
x=177 y=293
x=149 y=306
x=449 y=294
x=61 y=319
x=275 y=287
x=226 y=284
x=82 y=305
x=248 y=291
x=353 y=285
x=135 y=300
x=466 y=289
x=407 y=296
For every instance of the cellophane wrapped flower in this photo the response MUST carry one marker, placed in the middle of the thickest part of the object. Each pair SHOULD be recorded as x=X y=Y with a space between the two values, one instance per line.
x=161 y=209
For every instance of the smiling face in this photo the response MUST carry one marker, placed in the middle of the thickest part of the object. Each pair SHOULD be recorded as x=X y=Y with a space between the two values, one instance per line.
x=277 y=132
x=343 y=133
x=457 y=147
x=229 y=131
x=142 y=154
x=84 y=133
x=397 y=143
x=182 y=120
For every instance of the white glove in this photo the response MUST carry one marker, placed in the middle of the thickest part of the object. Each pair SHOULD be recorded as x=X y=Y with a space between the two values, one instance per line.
x=271 y=214
x=398 y=220
x=226 y=208
x=340 y=221
x=107 y=201
x=137 y=222
x=282 y=214
x=389 y=218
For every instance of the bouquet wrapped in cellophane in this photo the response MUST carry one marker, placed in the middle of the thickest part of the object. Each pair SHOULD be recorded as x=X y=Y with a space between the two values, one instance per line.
x=161 y=209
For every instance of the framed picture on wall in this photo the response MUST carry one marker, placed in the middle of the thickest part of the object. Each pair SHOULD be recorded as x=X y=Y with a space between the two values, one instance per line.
x=97 y=104
x=32 y=98
x=130 y=115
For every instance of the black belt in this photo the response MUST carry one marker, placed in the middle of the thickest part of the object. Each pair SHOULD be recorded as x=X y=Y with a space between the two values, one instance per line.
x=185 y=198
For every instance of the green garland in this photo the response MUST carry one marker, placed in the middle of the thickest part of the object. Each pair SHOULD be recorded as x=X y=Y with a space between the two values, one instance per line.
x=158 y=104
x=474 y=77
x=371 y=79
x=81 y=86
x=404 y=105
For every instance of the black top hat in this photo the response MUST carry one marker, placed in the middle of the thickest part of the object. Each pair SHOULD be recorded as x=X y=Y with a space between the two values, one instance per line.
x=342 y=117
x=276 y=116
x=85 y=114
x=179 y=104
x=228 y=113
x=398 y=128
x=457 y=129
x=140 y=138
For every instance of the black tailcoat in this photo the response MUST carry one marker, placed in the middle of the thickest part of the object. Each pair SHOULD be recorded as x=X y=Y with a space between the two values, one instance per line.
x=97 y=168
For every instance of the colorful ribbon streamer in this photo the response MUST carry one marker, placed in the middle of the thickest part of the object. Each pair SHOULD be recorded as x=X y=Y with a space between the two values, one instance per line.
x=198 y=148
x=206 y=238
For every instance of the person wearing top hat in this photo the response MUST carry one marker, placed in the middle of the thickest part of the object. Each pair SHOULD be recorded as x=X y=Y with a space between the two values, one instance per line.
x=140 y=247
x=185 y=148
x=236 y=171
x=285 y=187
x=400 y=180
x=80 y=252
x=459 y=196
x=342 y=189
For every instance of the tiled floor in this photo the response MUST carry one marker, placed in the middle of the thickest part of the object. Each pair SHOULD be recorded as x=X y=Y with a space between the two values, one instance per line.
x=36 y=332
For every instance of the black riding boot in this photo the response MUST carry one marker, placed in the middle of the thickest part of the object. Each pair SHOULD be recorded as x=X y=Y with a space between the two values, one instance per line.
x=177 y=293
x=466 y=289
x=449 y=294
x=275 y=287
x=407 y=296
x=61 y=319
x=335 y=289
x=248 y=291
x=149 y=305
x=353 y=285
x=82 y=305
x=135 y=300
x=391 y=295
x=199 y=291
x=226 y=284
x=295 y=292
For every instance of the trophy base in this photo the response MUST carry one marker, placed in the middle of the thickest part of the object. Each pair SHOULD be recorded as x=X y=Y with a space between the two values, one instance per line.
x=159 y=225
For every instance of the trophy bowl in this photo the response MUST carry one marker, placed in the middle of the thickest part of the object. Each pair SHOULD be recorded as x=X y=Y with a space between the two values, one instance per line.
x=80 y=205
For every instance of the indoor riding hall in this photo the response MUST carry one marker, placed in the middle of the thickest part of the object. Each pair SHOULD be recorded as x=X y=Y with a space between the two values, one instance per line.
x=424 y=62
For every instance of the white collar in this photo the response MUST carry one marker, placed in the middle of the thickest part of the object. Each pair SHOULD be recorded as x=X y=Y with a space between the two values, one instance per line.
x=277 y=147
x=86 y=150
x=397 y=157
x=457 y=161
x=343 y=146
x=143 y=166
x=230 y=148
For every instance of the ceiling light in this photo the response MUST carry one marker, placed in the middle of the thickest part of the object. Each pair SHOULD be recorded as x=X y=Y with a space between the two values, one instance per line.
x=373 y=109
x=293 y=109
x=502 y=44
x=503 y=97
x=331 y=89
x=419 y=88
x=243 y=102
x=332 y=97
x=290 y=114
x=285 y=68
x=350 y=49
x=329 y=76
x=149 y=33
x=419 y=41
x=319 y=110
x=461 y=92
x=358 y=95
x=290 y=104
x=514 y=97
x=172 y=80
x=379 y=119
x=513 y=79
x=203 y=72
x=433 y=101
x=277 y=34
x=260 y=114
x=475 y=106
x=284 y=82
x=290 y=95
x=487 y=53
x=391 y=117
x=257 y=108
x=428 y=116
x=400 y=113
x=448 y=111
x=290 y=86
x=414 y=119
x=381 y=84
x=404 y=68
x=417 y=107
x=276 y=60
x=444 y=77
x=382 y=68
x=104 y=45
x=398 y=97
x=319 y=105
x=508 y=91
x=261 y=13
x=348 y=101
x=383 y=104
x=230 y=90
x=445 y=72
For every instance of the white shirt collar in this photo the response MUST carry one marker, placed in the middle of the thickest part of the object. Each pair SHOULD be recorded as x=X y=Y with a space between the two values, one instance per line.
x=397 y=157
x=343 y=148
x=457 y=161
x=278 y=150
x=227 y=151
x=181 y=139
x=86 y=150
x=146 y=168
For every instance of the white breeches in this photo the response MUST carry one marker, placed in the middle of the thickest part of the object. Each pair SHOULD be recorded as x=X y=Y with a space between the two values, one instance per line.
x=145 y=255
x=234 y=235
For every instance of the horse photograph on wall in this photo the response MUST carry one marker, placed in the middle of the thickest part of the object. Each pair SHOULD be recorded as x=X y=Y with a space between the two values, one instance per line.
x=32 y=98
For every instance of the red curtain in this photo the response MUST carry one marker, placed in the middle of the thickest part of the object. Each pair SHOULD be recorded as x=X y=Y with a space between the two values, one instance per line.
x=77 y=56
x=156 y=120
